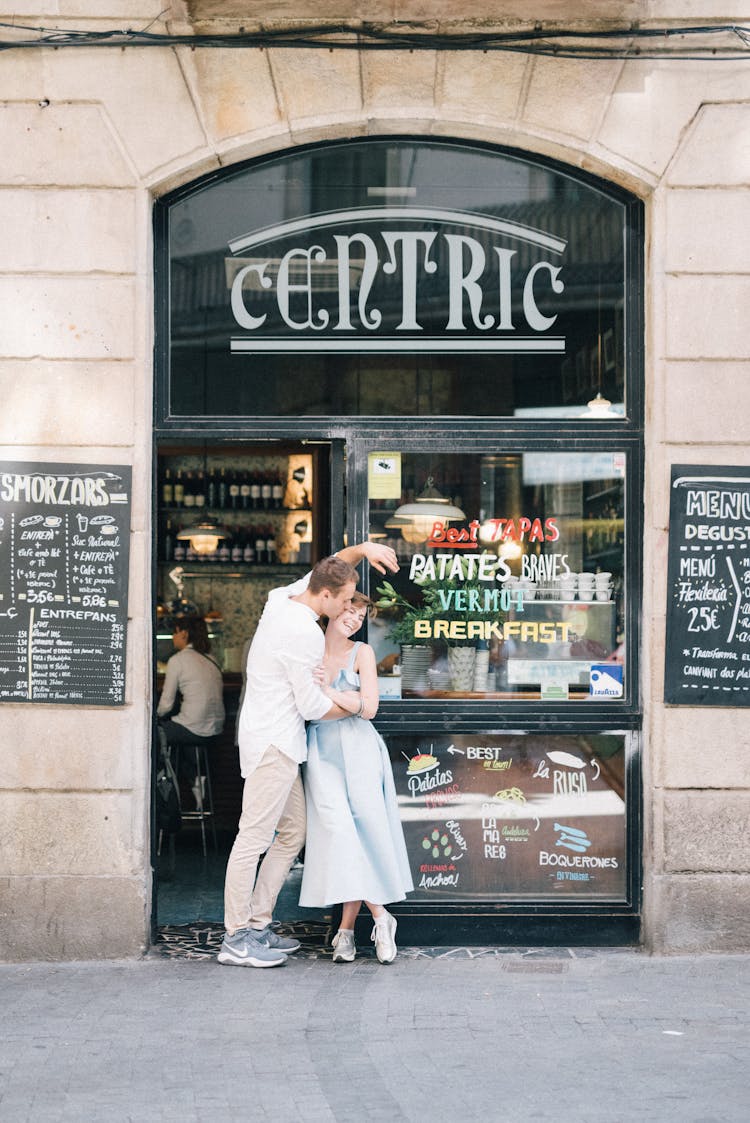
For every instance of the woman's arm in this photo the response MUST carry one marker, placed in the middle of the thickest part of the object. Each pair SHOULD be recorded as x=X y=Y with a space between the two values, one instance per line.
x=169 y=690
x=368 y=680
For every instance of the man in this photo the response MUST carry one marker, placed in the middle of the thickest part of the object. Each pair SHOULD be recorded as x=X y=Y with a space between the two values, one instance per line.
x=280 y=696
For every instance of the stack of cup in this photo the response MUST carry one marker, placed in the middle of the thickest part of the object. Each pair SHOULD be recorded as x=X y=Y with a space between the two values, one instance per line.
x=568 y=586
x=585 y=586
x=603 y=586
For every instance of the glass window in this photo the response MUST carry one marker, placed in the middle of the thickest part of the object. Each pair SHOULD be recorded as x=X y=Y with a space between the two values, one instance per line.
x=359 y=279
x=511 y=579
x=490 y=816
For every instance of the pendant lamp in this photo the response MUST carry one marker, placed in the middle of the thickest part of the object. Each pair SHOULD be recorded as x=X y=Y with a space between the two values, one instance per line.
x=204 y=537
x=416 y=520
x=599 y=407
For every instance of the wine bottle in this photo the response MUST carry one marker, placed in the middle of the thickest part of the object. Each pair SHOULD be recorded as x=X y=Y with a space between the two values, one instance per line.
x=189 y=495
x=168 y=544
x=200 y=489
x=265 y=492
x=234 y=490
x=179 y=489
x=211 y=490
x=167 y=489
x=255 y=492
x=245 y=489
x=223 y=490
x=248 y=551
x=225 y=549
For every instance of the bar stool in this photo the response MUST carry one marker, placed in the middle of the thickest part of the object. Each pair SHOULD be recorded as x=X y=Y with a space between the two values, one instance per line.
x=205 y=806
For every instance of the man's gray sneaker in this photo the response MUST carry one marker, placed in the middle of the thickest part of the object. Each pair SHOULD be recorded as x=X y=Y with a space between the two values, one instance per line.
x=271 y=939
x=244 y=949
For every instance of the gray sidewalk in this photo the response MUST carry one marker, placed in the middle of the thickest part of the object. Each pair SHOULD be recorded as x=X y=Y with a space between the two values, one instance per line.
x=573 y=1036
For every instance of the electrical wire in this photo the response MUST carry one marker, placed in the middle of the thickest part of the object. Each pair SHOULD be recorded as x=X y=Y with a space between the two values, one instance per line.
x=722 y=42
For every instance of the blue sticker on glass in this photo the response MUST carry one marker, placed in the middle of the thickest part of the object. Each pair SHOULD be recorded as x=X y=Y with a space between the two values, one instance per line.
x=605 y=680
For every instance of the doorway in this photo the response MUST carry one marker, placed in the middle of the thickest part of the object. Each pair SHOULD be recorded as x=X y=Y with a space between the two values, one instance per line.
x=233 y=519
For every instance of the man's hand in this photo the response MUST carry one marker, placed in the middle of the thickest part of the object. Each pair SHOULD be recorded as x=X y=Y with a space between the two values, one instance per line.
x=380 y=557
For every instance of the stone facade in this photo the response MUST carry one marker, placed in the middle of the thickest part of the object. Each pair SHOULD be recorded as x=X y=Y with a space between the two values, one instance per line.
x=89 y=138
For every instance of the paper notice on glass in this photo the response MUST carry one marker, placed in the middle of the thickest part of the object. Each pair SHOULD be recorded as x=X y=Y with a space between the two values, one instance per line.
x=554 y=690
x=384 y=475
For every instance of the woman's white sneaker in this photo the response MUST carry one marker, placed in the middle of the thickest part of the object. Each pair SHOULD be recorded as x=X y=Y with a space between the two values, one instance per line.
x=384 y=935
x=344 y=949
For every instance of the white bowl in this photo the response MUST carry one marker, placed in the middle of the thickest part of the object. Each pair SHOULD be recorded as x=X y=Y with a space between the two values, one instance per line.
x=602 y=578
x=586 y=594
x=602 y=594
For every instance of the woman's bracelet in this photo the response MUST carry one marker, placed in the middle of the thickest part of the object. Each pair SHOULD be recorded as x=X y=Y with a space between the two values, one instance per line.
x=361 y=706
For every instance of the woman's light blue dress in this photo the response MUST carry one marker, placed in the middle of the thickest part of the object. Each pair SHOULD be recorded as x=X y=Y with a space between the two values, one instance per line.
x=355 y=847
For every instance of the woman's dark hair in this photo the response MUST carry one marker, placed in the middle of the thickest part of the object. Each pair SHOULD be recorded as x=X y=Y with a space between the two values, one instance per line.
x=195 y=626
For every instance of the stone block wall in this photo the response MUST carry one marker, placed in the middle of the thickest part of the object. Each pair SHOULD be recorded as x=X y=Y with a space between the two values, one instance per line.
x=89 y=137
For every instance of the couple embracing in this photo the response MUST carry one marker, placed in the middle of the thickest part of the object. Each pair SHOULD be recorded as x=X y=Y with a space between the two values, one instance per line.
x=354 y=846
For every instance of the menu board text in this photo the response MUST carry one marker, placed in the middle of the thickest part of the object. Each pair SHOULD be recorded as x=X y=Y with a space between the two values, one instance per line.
x=708 y=603
x=64 y=546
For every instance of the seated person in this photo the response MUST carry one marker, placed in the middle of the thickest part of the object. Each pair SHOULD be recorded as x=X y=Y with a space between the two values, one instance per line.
x=196 y=676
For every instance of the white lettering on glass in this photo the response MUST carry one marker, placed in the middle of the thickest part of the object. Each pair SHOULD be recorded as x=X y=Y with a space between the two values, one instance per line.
x=453 y=283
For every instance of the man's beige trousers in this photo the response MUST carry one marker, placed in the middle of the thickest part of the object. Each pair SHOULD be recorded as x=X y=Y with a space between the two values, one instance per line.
x=272 y=822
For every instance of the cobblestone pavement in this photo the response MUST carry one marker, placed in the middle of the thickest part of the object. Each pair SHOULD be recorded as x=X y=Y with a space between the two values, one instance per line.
x=570 y=1036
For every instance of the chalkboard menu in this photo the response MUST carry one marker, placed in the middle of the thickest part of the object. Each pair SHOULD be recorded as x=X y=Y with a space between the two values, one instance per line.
x=488 y=816
x=64 y=544
x=708 y=590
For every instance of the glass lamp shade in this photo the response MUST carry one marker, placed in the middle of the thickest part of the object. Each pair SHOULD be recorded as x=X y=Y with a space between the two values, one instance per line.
x=419 y=530
x=599 y=407
x=204 y=537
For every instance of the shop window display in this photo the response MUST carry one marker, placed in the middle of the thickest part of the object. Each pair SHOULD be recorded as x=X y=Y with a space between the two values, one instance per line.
x=491 y=816
x=512 y=575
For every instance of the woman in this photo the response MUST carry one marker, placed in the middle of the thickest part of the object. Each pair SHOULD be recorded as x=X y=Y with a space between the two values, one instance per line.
x=355 y=846
x=193 y=674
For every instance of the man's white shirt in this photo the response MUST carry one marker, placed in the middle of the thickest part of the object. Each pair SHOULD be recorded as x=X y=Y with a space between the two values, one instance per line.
x=280 y=694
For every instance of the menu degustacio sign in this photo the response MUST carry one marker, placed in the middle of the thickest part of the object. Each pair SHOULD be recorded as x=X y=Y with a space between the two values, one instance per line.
x=64 y=550
x=708 y=591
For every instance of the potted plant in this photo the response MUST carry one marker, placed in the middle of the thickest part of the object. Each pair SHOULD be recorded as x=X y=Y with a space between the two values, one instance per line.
x=415 y=657
x=440 y=604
